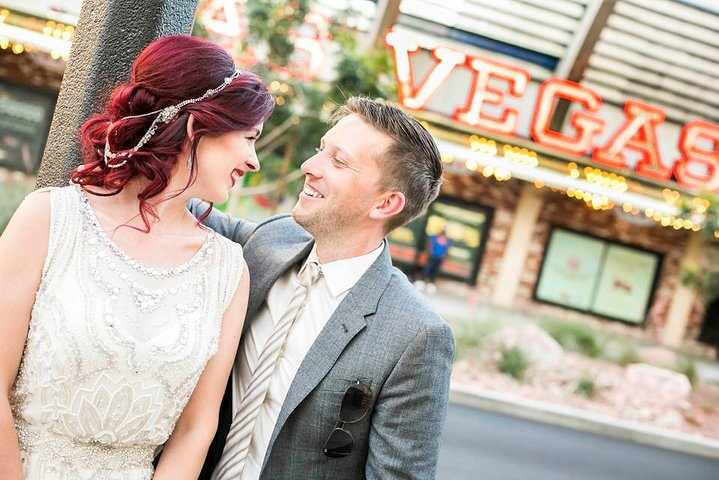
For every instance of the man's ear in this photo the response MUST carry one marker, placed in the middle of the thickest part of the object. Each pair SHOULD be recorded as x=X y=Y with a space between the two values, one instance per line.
x=390 y=204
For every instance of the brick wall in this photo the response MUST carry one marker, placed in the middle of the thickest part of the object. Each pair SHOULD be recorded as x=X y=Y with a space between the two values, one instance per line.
x=571 y=213
x=502 y=198
x=567 y=212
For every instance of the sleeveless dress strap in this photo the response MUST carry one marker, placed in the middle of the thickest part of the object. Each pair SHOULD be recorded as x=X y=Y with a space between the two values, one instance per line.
x=226 y=273
x=231 y=268
x=65 y=230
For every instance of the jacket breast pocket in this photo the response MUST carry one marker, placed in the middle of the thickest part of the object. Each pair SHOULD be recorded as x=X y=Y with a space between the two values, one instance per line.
x=331 y=393
x=341 y=384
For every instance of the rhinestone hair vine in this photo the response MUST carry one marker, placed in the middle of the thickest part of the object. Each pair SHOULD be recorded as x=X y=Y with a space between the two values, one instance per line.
x=164 y=115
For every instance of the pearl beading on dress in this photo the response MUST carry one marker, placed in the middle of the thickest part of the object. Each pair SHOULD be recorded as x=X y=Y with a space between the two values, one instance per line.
x=95 y=455
x=101 y=370
x=101 y=236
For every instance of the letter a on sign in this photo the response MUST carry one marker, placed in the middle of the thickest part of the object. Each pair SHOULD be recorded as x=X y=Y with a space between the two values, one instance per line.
x=410 y=96
x=639 y=134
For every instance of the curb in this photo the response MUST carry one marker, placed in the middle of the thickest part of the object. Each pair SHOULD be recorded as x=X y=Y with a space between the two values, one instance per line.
x=477 y=397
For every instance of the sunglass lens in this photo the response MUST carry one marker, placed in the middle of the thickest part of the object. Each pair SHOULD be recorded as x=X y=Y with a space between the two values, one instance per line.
x=339 y=444
x=355 y=403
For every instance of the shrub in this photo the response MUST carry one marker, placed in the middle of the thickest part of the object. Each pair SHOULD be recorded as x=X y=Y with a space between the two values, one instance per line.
x=573 y=337
x=620 y=350
x=470 y=335
x=11 y=194
x=586 y=387
x=687 y=367
x=513 y=362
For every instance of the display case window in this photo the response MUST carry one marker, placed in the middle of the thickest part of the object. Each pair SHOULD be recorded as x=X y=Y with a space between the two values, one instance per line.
x=597 y=276
x=25 y=117
x=466 y=225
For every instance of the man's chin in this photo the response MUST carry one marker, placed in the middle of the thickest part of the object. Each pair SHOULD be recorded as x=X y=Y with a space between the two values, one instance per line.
x=300 y=217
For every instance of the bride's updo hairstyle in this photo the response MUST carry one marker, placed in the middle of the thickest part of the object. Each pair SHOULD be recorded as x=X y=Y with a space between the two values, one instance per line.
x=168 y=72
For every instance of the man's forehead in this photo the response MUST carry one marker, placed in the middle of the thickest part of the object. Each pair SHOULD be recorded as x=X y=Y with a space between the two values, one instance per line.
x=355 y=129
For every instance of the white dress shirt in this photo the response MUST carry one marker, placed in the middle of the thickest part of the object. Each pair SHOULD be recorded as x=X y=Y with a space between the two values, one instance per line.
x=323 y=298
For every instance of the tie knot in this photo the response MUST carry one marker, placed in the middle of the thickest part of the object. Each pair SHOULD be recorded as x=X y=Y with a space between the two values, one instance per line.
x=310 y=273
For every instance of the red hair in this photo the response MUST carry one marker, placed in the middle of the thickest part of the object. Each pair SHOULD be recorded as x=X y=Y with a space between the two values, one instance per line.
x=168 y=71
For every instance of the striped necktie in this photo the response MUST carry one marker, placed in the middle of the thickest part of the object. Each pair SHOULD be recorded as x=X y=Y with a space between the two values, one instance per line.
x=239 y=438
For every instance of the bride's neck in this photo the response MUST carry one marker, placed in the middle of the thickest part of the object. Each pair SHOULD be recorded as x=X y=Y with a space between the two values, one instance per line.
x=169 y=207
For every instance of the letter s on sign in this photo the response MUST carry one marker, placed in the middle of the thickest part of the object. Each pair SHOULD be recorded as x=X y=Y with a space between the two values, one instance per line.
x=689 y=177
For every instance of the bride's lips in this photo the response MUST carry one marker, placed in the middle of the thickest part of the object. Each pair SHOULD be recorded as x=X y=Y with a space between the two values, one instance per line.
x=235 y=175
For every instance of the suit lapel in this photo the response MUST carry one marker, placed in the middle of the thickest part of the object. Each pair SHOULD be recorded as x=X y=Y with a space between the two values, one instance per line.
x=270 y=263
x=346 y=322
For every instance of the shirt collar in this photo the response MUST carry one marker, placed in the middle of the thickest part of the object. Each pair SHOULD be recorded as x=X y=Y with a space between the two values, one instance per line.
x=341 y=275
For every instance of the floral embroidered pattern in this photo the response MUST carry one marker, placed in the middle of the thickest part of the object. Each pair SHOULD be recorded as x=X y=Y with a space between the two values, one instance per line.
x=114 y=350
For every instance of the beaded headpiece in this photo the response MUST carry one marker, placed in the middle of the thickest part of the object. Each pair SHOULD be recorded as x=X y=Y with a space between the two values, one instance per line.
x=164 y=115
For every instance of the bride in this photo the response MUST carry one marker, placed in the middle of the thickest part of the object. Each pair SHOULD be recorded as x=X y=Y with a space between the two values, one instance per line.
x=121 y=314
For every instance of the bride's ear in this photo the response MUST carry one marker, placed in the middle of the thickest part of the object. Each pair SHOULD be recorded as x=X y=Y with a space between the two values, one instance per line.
x=190 y=127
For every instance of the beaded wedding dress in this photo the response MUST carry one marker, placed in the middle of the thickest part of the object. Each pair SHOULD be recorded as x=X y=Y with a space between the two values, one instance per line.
x=114 y=349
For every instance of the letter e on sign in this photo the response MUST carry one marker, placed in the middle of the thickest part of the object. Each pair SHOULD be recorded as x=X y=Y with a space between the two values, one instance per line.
x=481 y=93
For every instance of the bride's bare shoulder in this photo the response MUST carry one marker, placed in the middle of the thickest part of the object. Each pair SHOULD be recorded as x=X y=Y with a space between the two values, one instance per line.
x=30 y=224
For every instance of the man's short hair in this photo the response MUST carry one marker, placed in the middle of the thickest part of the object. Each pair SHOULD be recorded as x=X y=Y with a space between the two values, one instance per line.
x=411 y=164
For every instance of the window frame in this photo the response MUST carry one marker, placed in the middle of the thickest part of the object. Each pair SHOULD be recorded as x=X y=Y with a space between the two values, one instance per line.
x=608 y=242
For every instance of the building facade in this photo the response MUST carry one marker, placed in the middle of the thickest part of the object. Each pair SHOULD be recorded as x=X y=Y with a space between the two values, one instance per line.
x=581 y=145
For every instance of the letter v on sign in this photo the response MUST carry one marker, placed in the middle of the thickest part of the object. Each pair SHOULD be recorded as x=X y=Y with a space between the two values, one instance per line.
x=410 y=96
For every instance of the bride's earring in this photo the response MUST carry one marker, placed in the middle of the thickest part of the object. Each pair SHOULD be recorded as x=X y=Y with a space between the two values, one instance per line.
x=189 y=161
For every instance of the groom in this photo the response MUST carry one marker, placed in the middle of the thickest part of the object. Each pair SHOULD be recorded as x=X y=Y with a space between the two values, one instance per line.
x=343 y=370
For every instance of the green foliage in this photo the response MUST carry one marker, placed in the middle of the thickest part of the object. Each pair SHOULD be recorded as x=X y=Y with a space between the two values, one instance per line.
x=471 y=334
x=11 y=194
x=367 y=73
x=619 y=350
x=513 y=362
x=703 y=209
x=270 y=21
x=686 y=366
x=198 y=29
x=573 y=337
x=304 y=106
x=692 y=277
x=586 y=387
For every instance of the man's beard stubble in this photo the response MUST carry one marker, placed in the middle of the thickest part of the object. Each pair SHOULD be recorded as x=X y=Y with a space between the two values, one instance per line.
x=326 y=223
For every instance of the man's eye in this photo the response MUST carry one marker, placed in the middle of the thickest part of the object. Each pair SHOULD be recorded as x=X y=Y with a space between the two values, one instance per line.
x=318 y=149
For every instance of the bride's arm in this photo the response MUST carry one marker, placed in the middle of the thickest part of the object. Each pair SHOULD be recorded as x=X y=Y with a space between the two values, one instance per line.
x=187 y=447
x=23 y=248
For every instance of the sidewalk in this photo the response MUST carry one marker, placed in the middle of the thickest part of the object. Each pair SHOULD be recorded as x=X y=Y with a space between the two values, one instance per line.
x=477 y=397
x=457 y=308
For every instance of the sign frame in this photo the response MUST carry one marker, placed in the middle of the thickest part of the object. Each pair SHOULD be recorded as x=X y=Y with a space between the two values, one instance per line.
x=608 y=242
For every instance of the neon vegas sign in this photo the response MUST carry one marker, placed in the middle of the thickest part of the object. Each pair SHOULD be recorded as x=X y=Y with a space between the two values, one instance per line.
x=696 y=167
x=227 y=20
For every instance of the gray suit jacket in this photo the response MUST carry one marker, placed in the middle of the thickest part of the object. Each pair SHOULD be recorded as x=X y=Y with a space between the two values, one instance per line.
x=384 y=334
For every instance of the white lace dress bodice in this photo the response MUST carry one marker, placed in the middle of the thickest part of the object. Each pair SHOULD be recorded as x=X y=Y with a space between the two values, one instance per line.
x=114 y=349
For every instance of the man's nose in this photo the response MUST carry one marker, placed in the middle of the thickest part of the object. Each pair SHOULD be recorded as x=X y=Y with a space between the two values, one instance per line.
x=311 y=166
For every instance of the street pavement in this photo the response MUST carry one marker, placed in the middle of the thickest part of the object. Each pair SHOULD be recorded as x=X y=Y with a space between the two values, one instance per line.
x=453 y=306
x=482 y=445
